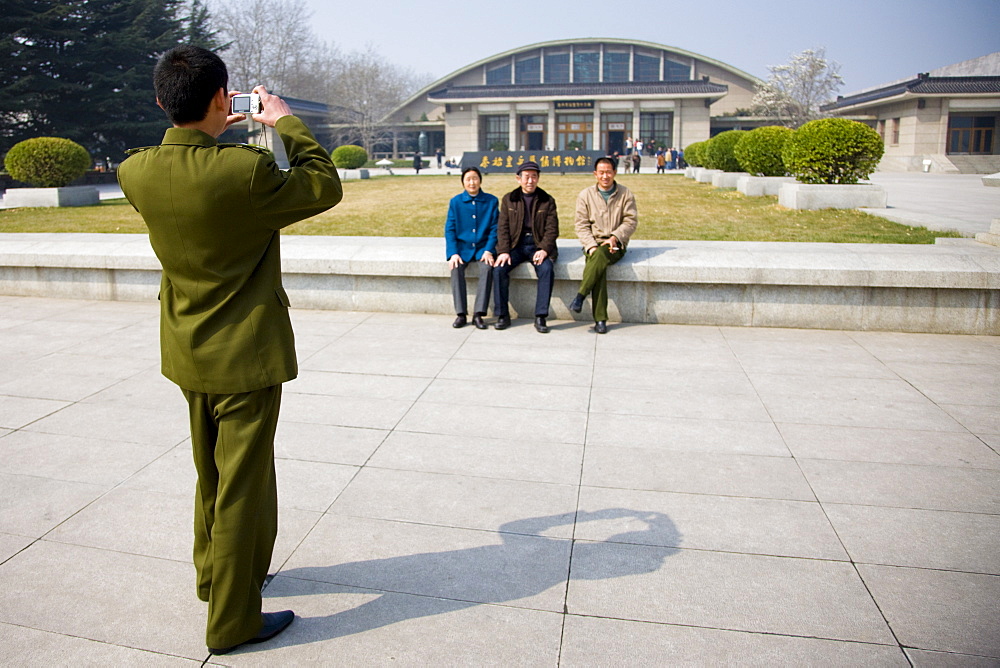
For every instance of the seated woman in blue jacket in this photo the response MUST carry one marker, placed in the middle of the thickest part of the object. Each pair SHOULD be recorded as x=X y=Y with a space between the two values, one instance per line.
x=470 y=232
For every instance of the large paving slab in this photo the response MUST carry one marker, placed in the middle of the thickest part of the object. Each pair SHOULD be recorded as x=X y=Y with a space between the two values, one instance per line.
x=661 y=495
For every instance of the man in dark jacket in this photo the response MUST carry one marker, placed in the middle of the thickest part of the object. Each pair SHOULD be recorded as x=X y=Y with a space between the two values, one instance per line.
x=527 y=230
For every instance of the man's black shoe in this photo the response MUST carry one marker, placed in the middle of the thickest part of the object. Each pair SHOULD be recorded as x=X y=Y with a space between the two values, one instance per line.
x=540 y=325
x=274 y=623
x=503 y=322
x=459 y=322
x=601 y=327
x=577 y=305
x=478 y=321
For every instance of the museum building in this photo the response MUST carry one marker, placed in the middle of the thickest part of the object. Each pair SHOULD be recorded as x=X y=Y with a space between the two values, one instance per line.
x=944 y=120
x=585 y=94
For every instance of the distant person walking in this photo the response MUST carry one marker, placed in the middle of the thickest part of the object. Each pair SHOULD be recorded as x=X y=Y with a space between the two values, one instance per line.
x=628 y=145
x=636 y=162
x=418 y=161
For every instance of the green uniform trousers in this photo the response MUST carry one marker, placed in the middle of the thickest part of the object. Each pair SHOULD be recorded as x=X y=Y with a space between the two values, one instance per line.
x=236 y=506
x=595 y=278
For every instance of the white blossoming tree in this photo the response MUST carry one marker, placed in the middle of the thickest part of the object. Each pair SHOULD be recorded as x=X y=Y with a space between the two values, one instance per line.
x=794 y=92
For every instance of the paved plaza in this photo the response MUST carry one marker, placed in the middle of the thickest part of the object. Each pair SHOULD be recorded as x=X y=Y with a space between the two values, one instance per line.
x=661 y=495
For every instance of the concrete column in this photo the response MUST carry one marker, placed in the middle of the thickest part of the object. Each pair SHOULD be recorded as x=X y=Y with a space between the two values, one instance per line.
x=550 y=136
x=596 y=142
x=636 y=128
x=512 y=144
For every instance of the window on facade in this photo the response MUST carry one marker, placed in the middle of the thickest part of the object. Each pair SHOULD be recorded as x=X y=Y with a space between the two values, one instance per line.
x=647 y=68
x=574 y=132
x=894 y=129
x=675 y=71
x=880 y=128
x=528 y=71
x=494 y=133
x=656 y=129
x=556 y=68
x=498 y=76
x=971 y=134
x=616 y=66
x=586 y=67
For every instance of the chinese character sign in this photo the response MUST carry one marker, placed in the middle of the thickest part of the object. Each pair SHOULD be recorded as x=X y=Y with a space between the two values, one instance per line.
x=508 y=161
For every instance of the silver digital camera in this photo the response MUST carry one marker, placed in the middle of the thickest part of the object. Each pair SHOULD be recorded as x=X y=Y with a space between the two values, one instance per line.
x=246 y=103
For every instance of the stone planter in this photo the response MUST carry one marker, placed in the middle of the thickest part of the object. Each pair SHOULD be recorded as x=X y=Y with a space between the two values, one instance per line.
x=705 y=175
x=690 y=171
x=992 y=180
x=68 y=196
x=727 y=179
x=354 y=174
x=758 y=186
x=831 y=196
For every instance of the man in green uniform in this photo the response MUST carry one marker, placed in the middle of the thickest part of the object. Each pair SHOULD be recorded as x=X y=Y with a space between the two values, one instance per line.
x=214 y=213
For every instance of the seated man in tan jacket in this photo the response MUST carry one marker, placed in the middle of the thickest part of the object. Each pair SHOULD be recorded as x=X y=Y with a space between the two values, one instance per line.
x=606 y=217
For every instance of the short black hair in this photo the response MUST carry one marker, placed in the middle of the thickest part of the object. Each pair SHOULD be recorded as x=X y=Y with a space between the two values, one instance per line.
x=471 y=169
x=185 y=79
x=608 y=159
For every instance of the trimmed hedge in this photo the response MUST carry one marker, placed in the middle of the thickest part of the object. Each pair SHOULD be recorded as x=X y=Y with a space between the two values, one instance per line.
x=719 y=151
x=759 y=151
x=47 y=162
x=832 y=150
x=693 y=154
x=349 y=156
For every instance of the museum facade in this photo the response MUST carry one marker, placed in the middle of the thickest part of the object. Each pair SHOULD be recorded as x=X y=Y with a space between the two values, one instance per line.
x=944 y=120
x=583 y=94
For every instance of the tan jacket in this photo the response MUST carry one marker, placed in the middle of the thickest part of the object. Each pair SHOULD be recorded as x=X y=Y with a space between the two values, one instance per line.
x=597 y=220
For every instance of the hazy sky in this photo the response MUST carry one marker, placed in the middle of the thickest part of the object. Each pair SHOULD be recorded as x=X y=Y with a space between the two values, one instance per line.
x=875 y=41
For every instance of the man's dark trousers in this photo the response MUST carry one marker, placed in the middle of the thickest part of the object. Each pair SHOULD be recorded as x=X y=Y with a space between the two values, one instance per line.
x=501 y=282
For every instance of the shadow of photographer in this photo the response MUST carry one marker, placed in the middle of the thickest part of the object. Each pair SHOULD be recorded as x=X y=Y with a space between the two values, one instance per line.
x=525 y=564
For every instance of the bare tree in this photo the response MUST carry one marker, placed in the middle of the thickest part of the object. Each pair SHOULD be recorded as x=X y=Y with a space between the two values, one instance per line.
x=794 y=92
x=366 y=88
x=272 y=43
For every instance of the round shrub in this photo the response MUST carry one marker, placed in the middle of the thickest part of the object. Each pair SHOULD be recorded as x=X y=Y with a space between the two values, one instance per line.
x=693 y=154
x=759 y=151
x=832 y=150
x=720 y=150
x=47 y=162
x=349 y=156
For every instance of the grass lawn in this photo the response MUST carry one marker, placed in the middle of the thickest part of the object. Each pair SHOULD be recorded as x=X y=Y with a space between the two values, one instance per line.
x=671 y=207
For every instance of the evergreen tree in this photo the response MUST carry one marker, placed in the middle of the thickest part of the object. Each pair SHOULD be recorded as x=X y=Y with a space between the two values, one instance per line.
x=199 y=31
x=83 y=69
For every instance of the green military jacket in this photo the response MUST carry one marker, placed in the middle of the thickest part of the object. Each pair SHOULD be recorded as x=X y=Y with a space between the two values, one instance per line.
x=213 y=213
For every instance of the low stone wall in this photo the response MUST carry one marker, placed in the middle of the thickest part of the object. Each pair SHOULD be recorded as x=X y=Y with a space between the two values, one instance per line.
x=758 y=186
x=835 y=196
x=951 y=287
x=51 y=197
x=727 y=179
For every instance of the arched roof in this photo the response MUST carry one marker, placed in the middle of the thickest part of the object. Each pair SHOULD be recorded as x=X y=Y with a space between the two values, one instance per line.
x=423 y=92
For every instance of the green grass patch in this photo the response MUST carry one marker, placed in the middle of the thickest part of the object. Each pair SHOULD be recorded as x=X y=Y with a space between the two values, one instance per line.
x=671 y=207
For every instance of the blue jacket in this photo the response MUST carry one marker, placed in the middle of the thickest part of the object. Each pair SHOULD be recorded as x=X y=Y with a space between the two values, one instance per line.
x=471 y=227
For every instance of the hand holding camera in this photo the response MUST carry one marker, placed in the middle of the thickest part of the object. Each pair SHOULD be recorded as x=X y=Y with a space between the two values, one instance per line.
x=245 y=103
x=259 y=105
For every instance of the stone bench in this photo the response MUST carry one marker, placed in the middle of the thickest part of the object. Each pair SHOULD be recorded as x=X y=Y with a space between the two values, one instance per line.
x=949 y=287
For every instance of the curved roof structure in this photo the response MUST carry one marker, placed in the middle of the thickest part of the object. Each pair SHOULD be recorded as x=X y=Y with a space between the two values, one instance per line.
x=445 y=88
